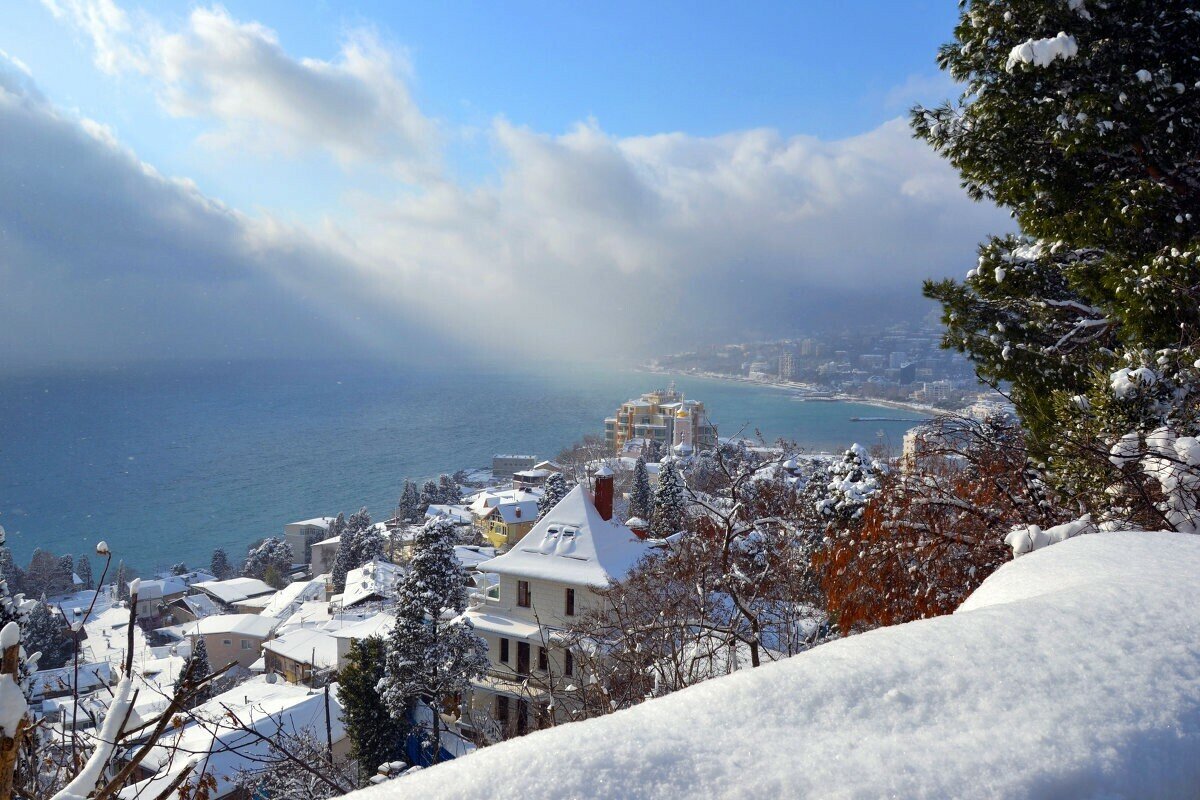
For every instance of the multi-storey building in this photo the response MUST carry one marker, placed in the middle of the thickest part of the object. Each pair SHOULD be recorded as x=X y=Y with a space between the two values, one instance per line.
x=546 y=582
x=663 y=416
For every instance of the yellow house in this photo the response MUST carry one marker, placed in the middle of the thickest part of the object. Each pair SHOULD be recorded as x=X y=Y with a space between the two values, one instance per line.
x=504 y=524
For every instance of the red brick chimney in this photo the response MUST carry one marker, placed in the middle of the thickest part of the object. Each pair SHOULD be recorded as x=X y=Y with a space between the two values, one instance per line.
x=603 y=492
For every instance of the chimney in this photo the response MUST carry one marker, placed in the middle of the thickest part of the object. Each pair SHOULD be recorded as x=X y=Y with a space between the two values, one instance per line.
x=639 y=526
x=603 y=492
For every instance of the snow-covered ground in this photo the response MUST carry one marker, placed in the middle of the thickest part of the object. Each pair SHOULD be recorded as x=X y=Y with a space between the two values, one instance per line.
x=1073 y=671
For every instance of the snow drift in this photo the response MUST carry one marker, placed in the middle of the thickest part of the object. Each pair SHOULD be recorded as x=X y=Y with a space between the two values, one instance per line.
x=1073 y=671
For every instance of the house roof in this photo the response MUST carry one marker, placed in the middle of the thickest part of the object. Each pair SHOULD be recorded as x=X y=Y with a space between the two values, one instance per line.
x=171 y=584
x=471 y=556
x=199 y=604
x=219 y=748
x=318 y=522
x=500 y=625
x=510 y=513
x=235 y=589
x=572 y=544
x=287 y=600
x=306 y=646
x=378 y=625
x=240 y=624
x=373 y=579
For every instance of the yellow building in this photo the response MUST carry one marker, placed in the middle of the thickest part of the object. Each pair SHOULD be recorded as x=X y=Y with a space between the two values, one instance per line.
x=663 y=416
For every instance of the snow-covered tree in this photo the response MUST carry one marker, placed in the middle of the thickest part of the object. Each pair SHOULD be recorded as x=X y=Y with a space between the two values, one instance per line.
x=10 y=572
x=432 y=653
x=1079 y=118
x=298 y=766
x=45 y=633
x=853 y=481
x=409 y=507
x=554 y=491
x=641 y=497
x=270 y=561
x=429 y=496
x=653 y=451
x=376 y=737
x=670 y=511
x=179 y=568
x=219 y=566
x=121 y=579
x=359 y=544
x=83 y=568
x=449 y=492
x=196 y=668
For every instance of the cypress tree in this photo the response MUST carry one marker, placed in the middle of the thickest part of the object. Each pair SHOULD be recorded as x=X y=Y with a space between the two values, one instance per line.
x=200 y=669
x=376 y=737
x=669 y=512
x=219 y=566
x=44 y=632
x=83 y=566
x=552 y=493
x=641 y=498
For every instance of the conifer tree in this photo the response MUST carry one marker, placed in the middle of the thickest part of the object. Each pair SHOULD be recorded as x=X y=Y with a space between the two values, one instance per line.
x=45 y=633
x=10 y=572
x=83 y=567
x=220 y=566
x=359 y=544
x=552 y=493
x=64 y=576
x=1079 y=118
x=409 y=509
x=641 y=498
x=200 y=669
x=449 y=492
x=121 y=577
x=273 y=557
x=670 y=511
x=429 y=496
x=376 y=737
x=853 y=481
x=179 y=569
x=430 y=658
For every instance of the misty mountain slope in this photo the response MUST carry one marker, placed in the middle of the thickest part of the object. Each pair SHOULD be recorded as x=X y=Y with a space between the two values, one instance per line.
x=1072 y=672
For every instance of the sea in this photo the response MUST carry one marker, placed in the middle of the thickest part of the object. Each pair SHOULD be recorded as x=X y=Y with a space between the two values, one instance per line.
x=168 y=462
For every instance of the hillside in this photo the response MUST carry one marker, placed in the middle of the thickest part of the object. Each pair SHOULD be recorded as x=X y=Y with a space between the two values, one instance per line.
x=1072 y=672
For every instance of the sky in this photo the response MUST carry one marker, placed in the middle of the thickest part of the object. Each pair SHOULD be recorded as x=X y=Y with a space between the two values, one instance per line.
x=534 y=180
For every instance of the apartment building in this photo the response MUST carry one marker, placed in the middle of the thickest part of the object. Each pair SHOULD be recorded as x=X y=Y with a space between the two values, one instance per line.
x=663 y=416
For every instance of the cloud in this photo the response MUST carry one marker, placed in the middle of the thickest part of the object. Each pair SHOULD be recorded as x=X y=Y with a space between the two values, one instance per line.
x=104 y=259
x=589 y=240
x=237 y=76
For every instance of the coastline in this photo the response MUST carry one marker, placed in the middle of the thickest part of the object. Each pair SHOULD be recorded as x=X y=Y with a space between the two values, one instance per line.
x=800 y=389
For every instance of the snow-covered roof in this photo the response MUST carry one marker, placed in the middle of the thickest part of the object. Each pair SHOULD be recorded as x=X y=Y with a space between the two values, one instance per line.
x=378 y=625
x=316 y=522
x=501 y=625
x=212 y=744
x=1047 y=682
x=287 y=600
x=236 y=624
x=471 y=556
x=457 y=513
x=234 y=590
x=306 y=646
x=201 y=605
x=373 y=579
x=572 y=544
x=521 y=511
x=486 y=499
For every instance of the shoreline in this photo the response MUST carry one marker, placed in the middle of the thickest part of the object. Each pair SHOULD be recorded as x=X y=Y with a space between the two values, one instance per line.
x=799 y=389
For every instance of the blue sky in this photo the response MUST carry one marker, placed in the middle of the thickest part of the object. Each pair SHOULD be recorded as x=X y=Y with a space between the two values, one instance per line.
x=449 y=159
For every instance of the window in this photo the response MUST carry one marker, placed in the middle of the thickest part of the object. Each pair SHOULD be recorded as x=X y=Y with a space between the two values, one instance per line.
x=523 y=594
x=522 y=658
x=504 y=650
x=543 y=661
x=245 y=644
x=502 y=709
x=570 y=602
x=568 y=663
x=227 y=642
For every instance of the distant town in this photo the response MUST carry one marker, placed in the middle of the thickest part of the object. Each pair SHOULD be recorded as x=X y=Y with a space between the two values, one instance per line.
x=903 y=363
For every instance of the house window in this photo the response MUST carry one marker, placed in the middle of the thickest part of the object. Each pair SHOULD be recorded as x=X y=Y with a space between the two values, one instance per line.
x=523 y=594
x=502 y=709
x=227 y=642
x=245 y=644
x=504 y=650
x=543 y=661
x=570 y=602
x=522 y=658
x=568 y=663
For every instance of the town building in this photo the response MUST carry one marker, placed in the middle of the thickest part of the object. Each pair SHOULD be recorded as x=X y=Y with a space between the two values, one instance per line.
x=303 y=655
x=665 y=417
x=502 y=517
x=504 y=465
x=227 y=637
x=544 y=583
x=235 y=590
x=299 y=535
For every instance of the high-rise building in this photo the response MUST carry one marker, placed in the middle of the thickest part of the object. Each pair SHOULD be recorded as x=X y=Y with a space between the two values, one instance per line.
x=663 y=416
x=787 y=367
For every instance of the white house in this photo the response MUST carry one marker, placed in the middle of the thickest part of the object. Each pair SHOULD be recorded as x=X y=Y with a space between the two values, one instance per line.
x=299 y=534
x=545 y=582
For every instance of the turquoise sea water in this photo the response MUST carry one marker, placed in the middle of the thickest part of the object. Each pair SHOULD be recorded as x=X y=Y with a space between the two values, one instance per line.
x=167 y=463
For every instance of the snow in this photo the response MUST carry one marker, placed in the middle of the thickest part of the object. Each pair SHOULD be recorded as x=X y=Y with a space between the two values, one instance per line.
x=1071 y=672
x=572 y=544
x=287 y=601
x=254 y=625
x=13 y=705
x=306 y=646
x=1043 y=52
x=10 y=636
x=93 y=770
x=234 y=590
x=1125 y=382
x=1031 y=537
x=1144 y=75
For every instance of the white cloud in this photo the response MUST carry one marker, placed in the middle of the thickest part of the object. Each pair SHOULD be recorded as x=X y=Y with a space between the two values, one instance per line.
x=641 y=241
x=237 y=76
